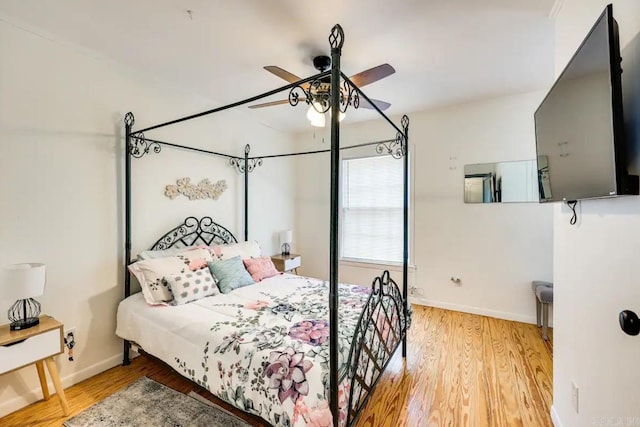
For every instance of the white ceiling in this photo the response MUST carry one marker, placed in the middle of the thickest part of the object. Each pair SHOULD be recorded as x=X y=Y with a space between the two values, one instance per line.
x=444 y=51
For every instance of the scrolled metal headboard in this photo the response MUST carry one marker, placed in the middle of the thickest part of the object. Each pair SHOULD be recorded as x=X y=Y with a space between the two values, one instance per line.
x=194 y=231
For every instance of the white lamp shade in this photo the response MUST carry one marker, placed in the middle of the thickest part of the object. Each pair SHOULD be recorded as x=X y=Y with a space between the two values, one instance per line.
x=316 y=118
x=286 y=236
x=21 y=281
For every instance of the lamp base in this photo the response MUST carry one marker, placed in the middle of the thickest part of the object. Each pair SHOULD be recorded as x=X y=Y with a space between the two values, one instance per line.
x=21 y=324
x=286 y=248
x=24 y=314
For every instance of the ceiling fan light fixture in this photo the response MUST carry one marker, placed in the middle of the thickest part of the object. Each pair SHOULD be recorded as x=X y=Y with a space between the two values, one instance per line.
x=319 y=90
x=316 y=118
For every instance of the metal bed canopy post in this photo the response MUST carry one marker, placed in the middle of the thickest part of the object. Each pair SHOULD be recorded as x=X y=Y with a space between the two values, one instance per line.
x=247 y=148
x=405 y=249
x=245 y=166
x=129 y=120
x=136 y=146
x=336 y=39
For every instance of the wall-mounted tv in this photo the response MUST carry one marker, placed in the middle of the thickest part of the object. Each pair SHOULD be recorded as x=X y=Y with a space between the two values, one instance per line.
x=580 y=140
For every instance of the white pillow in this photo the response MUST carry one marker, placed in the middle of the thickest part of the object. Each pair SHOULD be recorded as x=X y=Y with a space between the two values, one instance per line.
x=163 y=253
x=245 y=250
x=151 y=273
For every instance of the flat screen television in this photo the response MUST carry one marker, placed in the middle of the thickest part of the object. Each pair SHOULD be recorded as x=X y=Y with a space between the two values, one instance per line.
x=580 y=138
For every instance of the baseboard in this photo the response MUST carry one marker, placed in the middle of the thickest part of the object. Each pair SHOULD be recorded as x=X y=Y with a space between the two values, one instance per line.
x=474 y=310
x=555 y=418
x=35 y=394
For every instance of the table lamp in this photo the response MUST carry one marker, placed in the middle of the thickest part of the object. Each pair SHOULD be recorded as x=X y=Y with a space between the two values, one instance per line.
x=22 y=282
x=286 y=237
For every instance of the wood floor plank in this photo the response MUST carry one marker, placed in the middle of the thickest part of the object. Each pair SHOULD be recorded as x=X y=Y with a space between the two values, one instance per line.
x=461 y=370
x=444 y=411
x=426 y=360
x=480 y=412
x=509 y=403
x=531 y=390
x=537 y=351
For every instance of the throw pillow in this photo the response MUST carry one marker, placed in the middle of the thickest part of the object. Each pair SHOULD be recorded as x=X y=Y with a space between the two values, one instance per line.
x=151 y=273
x=260 y=268
x=230 y=274
x=191 y=285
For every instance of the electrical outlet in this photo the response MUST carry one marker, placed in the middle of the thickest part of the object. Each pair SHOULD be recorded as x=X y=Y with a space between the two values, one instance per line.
x=574 y=396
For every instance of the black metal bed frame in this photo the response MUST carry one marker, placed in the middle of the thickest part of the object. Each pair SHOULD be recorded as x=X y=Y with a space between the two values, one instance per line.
x=372 y=346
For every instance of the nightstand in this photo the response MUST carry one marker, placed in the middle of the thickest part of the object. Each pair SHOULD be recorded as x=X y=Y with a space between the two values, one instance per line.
x=286 y=263
x=35 y=345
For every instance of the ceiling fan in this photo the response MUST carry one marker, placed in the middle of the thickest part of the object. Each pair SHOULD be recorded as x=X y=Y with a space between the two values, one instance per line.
x=319 y=91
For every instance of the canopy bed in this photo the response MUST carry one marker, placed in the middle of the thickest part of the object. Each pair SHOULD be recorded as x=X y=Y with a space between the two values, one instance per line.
x=256 y=324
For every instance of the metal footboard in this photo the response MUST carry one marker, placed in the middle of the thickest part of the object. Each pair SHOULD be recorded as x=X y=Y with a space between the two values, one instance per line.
x=381 y=329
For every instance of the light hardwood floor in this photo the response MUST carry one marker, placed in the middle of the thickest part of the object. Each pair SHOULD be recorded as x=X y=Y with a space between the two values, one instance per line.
x=462 y=370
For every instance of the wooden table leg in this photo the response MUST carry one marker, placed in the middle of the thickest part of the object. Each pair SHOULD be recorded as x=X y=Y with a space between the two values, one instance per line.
x=43 y=379
x=53 y=371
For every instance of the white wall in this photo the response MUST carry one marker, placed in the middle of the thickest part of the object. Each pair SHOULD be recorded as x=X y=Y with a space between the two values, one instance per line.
x=519 y=181
x=61 y=165
x=496 y=250
x=595 y=262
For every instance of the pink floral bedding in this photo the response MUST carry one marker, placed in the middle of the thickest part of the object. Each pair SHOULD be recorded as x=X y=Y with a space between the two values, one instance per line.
x=266 y=348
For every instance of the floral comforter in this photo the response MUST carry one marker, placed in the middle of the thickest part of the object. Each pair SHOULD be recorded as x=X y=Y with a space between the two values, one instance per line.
x=263 y=348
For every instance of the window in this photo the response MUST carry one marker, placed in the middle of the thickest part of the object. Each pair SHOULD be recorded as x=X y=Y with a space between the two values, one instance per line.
x=372 y=208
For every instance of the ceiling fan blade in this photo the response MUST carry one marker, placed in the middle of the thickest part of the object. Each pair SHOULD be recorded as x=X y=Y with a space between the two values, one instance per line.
x=283 y=74
x=272 y=103
x=380 y=104
x=372 y=75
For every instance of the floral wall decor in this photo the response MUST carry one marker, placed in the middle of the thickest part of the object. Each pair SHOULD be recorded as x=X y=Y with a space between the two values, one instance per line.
x=205 y=189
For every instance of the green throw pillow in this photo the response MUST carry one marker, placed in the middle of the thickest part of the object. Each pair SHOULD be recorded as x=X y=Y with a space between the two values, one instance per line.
x=230 y=274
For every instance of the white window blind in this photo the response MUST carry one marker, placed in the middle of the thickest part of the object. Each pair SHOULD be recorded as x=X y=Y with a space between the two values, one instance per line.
x=372 y=206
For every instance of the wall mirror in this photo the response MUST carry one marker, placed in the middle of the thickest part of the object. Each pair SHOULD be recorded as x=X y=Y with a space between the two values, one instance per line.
x=506 y=182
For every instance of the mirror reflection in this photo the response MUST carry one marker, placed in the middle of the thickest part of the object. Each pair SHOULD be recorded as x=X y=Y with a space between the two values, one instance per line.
x=507 y=182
